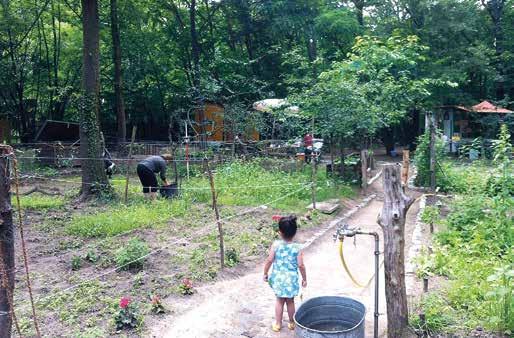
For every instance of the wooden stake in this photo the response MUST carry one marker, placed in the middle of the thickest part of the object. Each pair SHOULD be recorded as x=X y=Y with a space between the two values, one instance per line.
x=6 y=248
x=392 y=221
x=425 y=284
x=216 y=212
x=129 y=162
x=364 y=169
x=432 y=152
x=405 y=167
x=313 y=163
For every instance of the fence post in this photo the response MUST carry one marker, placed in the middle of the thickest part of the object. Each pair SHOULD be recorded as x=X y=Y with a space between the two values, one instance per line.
x=364 y=169
x=134 y=129
x=216 y=212
x=432 y=152
x=405 y=167
x=6 y=248
x=392 y=221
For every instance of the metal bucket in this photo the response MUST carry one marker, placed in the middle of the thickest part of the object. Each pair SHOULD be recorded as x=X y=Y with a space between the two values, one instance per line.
x=330 y=317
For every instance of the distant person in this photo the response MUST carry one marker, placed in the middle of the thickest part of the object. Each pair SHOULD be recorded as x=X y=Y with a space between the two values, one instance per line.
x=146 y=170
x=108 y=163
x=286 y=258
x=308 y=141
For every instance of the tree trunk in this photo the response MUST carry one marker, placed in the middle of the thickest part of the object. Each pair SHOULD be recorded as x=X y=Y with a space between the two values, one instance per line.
x=392 y=220
x=94 y=179
x=195 y=53
x=432 y=153
x=359 y=8
x=118 y=75
x=6 y=249
x=341 y=167
x=364 y=170
x=496 y=10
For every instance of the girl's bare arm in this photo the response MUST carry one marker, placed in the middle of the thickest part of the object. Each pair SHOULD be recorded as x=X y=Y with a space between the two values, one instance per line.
x=269 y=261
x=301 y=267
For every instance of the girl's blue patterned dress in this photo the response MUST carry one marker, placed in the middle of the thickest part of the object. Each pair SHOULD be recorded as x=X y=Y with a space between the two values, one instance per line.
x=284 y=277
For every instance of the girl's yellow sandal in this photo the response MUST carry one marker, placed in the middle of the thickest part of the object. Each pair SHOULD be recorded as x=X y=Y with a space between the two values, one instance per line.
x=275 y=327
x=291 y=326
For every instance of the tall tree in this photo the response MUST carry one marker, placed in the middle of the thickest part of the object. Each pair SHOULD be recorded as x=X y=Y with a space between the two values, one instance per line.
x=94 y=180
x=495 y=8
x=119 y=104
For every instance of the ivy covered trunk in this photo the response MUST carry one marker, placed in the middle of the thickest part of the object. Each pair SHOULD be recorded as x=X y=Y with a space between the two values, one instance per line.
x=94 y=179
x=392 y=221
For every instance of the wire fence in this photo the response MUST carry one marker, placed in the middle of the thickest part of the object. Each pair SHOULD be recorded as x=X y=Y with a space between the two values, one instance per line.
x=29 y=178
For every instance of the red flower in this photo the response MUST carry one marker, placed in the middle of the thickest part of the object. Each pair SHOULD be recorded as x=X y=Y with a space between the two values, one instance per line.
x=156 y=300
x=187 y=283
x=124 y=302
x=276 y=218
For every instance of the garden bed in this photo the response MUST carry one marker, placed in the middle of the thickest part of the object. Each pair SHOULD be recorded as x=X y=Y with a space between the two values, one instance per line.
x=85 y=257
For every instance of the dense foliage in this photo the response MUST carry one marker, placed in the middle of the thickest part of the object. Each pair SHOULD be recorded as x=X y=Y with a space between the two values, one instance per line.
x=475 y=251
x=242 y=51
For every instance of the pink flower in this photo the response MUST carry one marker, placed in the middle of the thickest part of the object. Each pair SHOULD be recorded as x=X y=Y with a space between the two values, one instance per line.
x=187 y=283
x=276 y=218
x=156 y=300
x=124 y=302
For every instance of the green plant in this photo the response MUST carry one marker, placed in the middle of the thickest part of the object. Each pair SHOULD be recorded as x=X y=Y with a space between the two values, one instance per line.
x=156 y=304
x=422 y=162
x=501 y=300
x=127 y=315
x=424 y=264
x=231 y=257
x=76 y=263
x=91 y=256
x=430 y=216
x=132 y=255
x=186 y=287
x=438 y=315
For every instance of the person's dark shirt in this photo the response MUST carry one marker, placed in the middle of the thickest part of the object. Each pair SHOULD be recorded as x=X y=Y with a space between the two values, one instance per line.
x=156 y=164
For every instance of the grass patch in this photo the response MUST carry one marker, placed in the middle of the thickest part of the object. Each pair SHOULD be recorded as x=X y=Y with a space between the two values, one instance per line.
x=40 y=202
x=122 y=218
x=253 y=184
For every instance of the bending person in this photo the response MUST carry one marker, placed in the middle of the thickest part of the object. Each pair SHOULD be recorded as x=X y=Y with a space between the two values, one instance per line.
x=146 y=170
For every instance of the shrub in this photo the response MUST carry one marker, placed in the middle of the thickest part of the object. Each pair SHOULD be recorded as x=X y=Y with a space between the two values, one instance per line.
x=438 y=315
x=76 y=263
x=131 y=255
x=231 y=257
x=422 y=162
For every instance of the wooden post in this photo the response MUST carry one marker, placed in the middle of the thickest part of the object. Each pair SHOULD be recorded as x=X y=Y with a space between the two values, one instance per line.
x=134 y=128
x=6 y=248
x=187 y=150
x=392 y=221
x=432 y=152
x=364 y=169
x=405 y=167
x=313 y=163
x=216 y=212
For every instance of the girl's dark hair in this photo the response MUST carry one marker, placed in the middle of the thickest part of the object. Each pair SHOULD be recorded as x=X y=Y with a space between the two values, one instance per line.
x=287 y=226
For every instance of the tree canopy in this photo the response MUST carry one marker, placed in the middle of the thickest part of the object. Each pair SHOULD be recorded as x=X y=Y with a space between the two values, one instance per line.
x=382 y=55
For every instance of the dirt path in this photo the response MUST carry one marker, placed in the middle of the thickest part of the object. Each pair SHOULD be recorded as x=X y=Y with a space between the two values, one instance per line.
x=243 y=307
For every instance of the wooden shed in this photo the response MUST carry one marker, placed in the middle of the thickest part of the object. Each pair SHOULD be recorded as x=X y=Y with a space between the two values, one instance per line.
x=210 y=121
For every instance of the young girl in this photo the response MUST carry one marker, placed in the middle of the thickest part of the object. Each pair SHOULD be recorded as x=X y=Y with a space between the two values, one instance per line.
x=287 y=259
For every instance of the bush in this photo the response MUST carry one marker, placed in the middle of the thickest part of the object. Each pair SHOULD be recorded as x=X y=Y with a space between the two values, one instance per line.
x=130 y=256
x=422 y=162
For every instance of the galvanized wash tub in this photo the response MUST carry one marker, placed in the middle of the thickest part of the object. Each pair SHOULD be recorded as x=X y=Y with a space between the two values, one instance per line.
x=330 y=317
